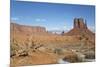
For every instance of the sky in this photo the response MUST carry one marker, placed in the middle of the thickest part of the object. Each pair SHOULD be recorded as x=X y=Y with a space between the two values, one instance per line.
x=53 y=16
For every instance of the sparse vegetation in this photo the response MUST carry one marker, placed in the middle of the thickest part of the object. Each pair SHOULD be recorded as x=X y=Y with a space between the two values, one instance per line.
x=28 y=47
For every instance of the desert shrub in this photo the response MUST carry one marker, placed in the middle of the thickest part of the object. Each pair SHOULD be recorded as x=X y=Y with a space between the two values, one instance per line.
x=70 y=57
x=23 y=53
x=12 y=53
x=58 y=51
x=90 y=55
x=18 y=50
x=13 y=48
x=32 y=45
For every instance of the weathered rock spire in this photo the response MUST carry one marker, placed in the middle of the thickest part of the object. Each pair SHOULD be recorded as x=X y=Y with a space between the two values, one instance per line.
x=80 y=23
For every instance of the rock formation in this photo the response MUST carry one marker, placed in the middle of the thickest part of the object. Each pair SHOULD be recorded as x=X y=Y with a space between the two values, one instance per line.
x=27 y=29
x=80 y=29
x=79 y=23
x=35 y=44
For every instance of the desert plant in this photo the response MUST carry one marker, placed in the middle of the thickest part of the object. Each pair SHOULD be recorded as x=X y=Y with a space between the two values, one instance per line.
x=58 y=51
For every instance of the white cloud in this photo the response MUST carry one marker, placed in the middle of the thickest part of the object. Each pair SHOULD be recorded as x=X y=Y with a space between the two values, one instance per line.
x=54 y=28
x=67 y=28
x=14 y=18
x=92 y=28
x=40 y=20
x=64 y=27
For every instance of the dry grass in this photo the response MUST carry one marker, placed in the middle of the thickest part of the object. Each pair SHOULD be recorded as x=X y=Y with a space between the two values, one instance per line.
x=47 y=48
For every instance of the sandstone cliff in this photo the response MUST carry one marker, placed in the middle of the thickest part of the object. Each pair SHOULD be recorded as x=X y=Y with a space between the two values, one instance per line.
x=16 y=28
x=80 y=29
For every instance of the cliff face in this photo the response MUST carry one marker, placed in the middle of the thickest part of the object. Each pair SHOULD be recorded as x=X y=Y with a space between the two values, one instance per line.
x=16 y=28
x=80 y=28
x=79 y=23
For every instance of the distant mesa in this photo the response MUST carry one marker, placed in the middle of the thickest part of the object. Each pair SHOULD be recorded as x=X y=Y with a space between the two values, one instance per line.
x=28 y=28
x=79 y=28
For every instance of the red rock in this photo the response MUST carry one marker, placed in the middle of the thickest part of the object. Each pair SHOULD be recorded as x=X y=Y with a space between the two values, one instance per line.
x=80 y=28
x=79 y=23
x=27 y=29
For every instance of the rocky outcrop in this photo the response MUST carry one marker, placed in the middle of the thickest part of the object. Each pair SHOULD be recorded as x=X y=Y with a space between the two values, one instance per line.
x=79 y=23
x=80 y=29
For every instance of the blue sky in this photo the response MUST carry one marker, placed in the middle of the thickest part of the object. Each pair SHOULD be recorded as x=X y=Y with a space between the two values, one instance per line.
x=50 y=15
